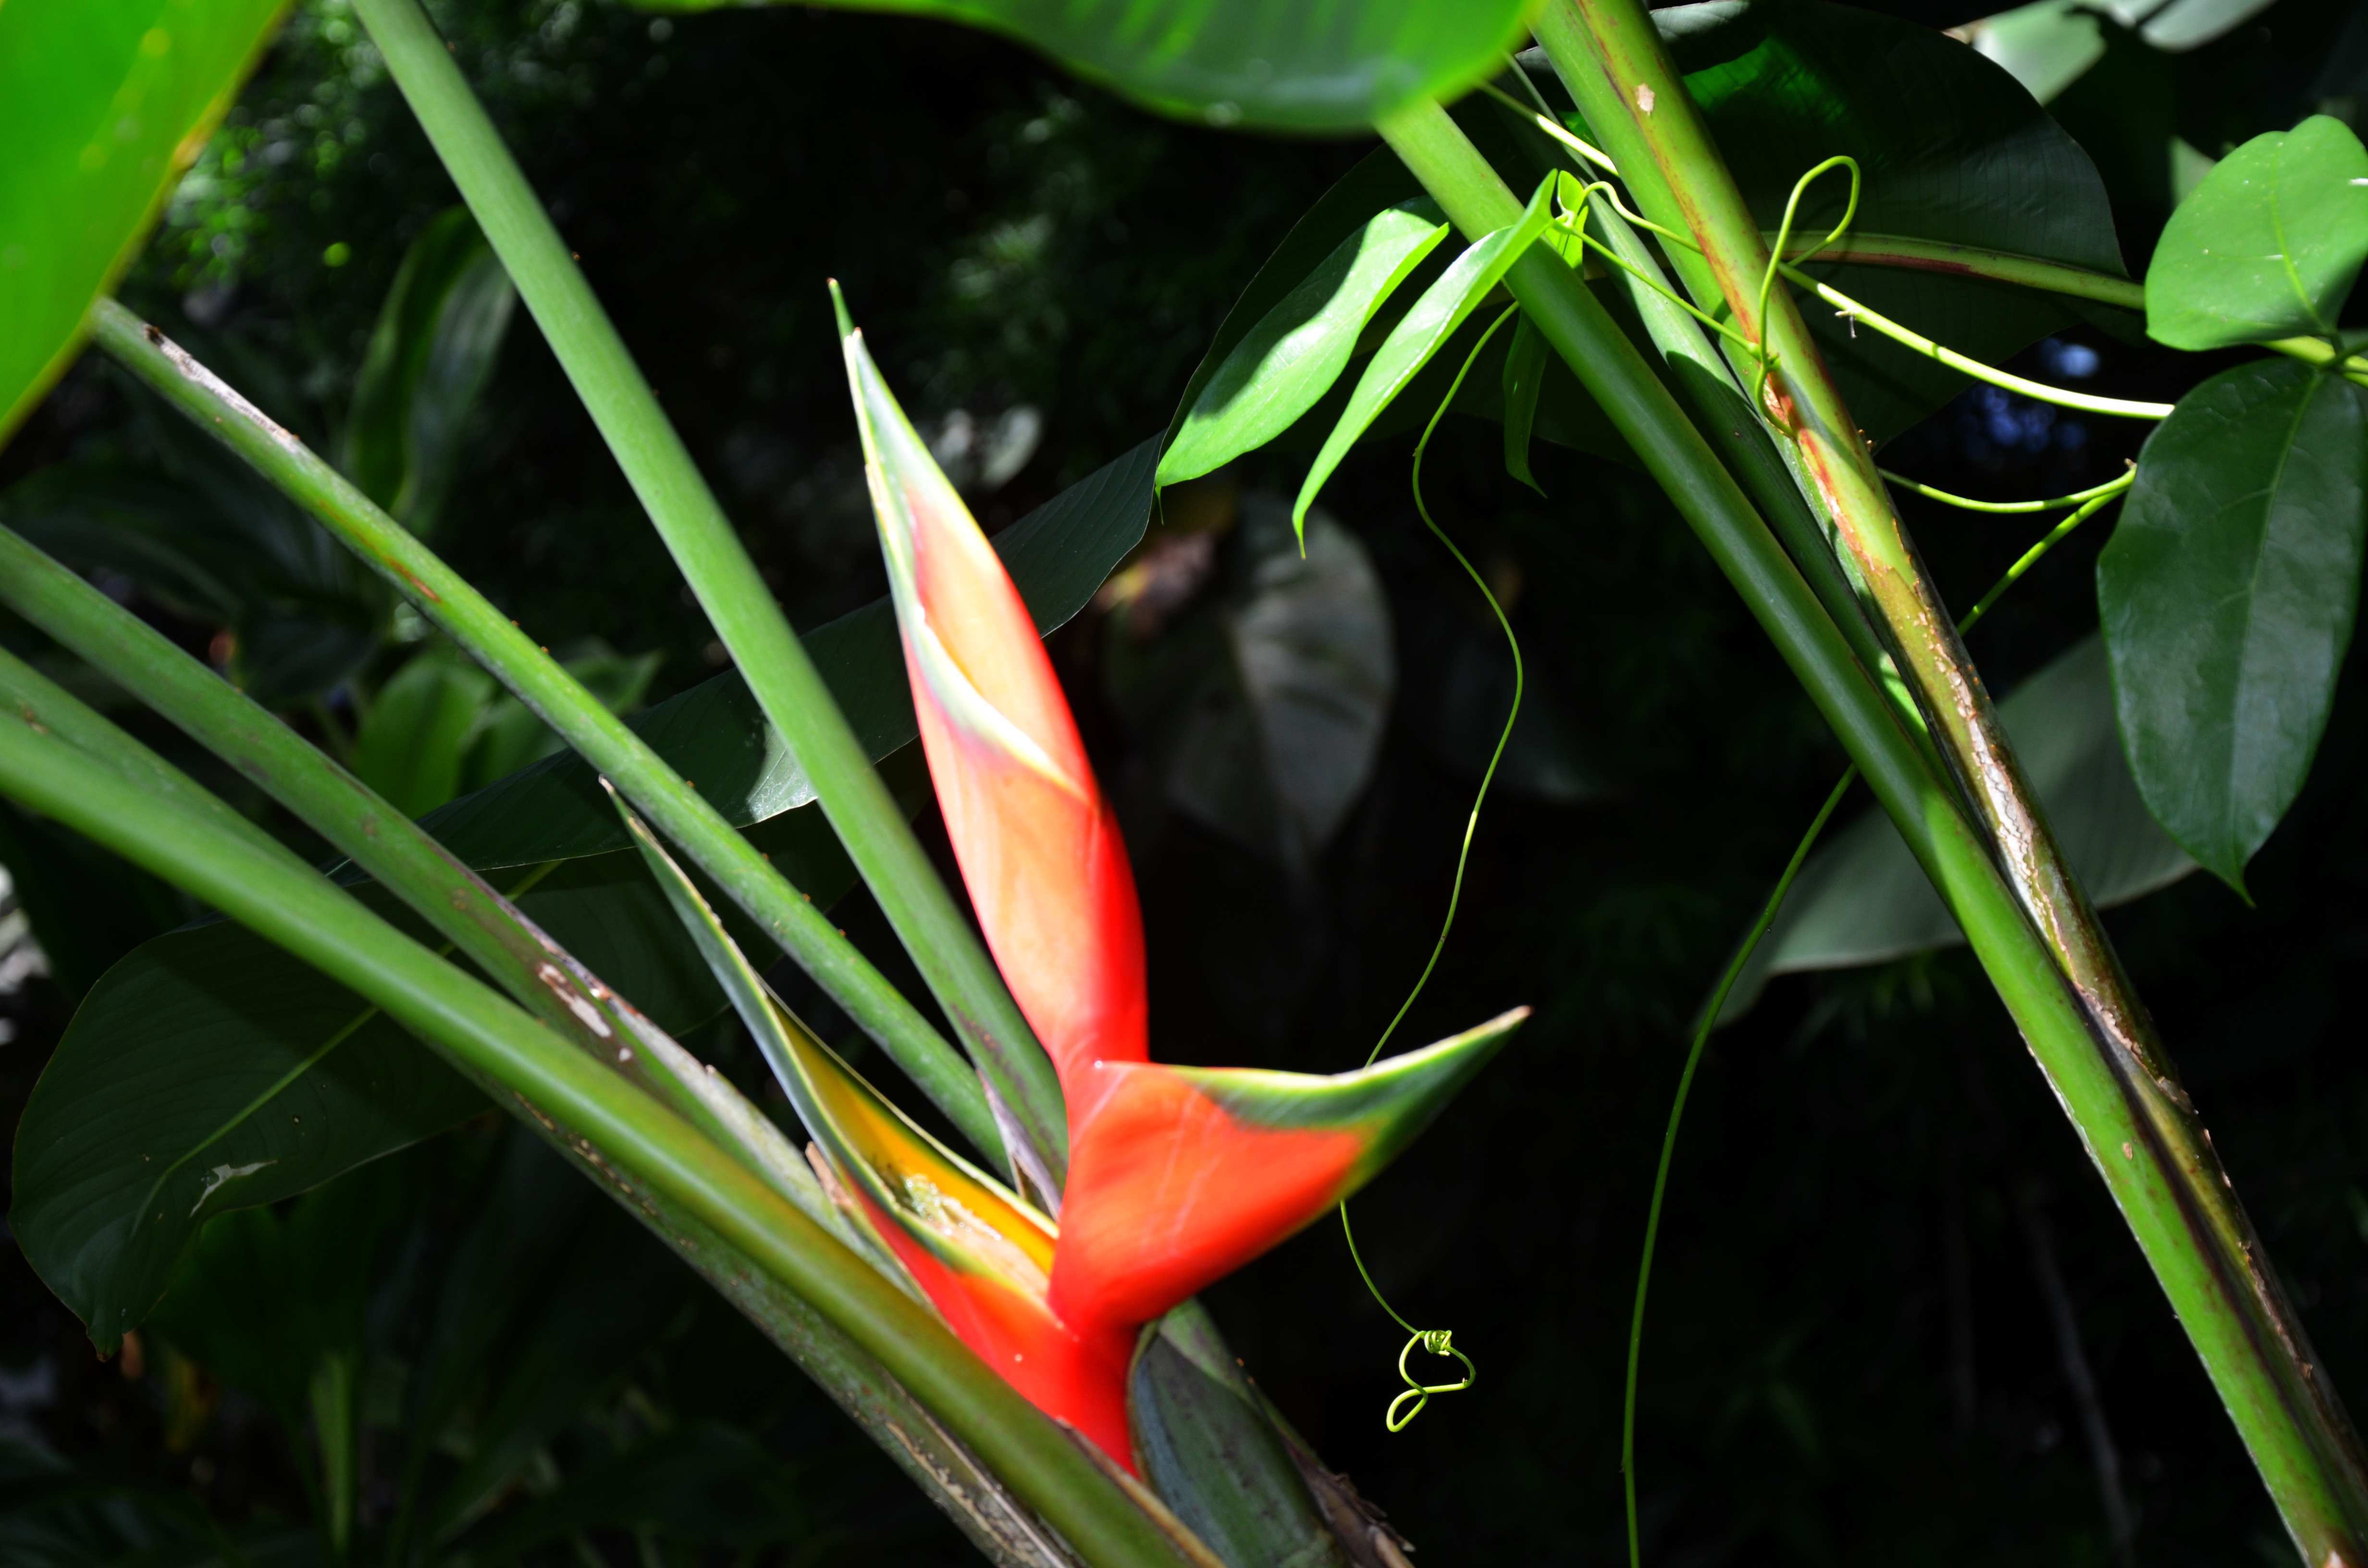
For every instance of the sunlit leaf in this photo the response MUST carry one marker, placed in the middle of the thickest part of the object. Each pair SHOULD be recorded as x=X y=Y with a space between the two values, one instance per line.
x=103 y=102
x=2268 y=245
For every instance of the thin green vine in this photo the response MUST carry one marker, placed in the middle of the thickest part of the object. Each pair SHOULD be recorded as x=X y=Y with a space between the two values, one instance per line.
x=1440 y=1341
x=2092 y=501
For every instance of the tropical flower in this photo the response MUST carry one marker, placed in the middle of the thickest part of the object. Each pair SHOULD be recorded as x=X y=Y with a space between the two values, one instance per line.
x=1176 y=1176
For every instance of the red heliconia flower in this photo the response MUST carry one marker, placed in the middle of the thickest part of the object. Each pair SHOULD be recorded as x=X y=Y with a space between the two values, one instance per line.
x=1176 y=1176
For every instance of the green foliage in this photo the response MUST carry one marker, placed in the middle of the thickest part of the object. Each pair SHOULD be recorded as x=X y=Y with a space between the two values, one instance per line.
x=2228 y=595
x=1242 y=63
x=420 y=724
x=2268 y=246
x=1296 y=350
x=430 y=356
x=101 y=106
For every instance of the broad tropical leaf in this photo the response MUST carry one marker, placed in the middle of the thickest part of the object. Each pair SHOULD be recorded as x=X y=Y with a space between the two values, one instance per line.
x=103 y=102
x=1244 y=62
x=2229 y=591
x=2268 y=245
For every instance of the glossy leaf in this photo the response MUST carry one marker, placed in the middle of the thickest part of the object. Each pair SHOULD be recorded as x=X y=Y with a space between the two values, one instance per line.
x=429 y=357
x=2229 y=593
x=1861 y=899
x=1442 y=308
x=1039 y=847
x=103 y=102
x=1245 y=62
x=2268 y=245
x=1951 y=149
x=1297 y=349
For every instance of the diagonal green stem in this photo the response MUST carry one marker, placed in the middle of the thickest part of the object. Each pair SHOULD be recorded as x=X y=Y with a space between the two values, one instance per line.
x=462 y=612
x=652 y=1149
x=726 y=582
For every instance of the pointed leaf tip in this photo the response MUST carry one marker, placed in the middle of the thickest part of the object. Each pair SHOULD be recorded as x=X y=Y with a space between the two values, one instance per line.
x=838 y=309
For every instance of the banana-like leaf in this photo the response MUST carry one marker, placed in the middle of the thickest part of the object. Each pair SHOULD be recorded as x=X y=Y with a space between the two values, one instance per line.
x=103 y=102
x=1442 y=308
x=1251 y=63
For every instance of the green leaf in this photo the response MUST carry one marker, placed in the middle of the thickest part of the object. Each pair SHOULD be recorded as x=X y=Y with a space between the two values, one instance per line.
x=1442 y=308
x=211 y=1071
x=103 y=102
x=1525 y=371
x=1248 y=62
x=419 y=728
x=2229 y=593
x=1207 y=1445
x=2268 y=245
x=512 y=736
x=1861 y=899
x=1952 y=149
x=1282 y=365
x=1263 y=712
x=437 y=335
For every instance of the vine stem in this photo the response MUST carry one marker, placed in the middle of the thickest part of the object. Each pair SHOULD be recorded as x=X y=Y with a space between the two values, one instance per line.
x=2169 y=1181
x=2093 y=502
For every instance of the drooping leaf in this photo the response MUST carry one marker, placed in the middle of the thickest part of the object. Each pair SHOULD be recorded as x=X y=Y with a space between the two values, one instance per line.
x=1862 y=899
x=1525 y=370
x=434 y=347
x=2268 y=245
x=1442 y=308
x=103 y=102
x=1298 y=348
x=1263 y=712
x=1321 y=68
x=208 y=1071
x=2229 y=593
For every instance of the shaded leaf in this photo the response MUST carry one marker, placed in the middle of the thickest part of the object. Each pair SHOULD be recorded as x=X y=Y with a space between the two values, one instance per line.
x=1295 y=352
x=2229 y=593
x=103 y=102
x=419 y=729
x=1525 y=370
x=429 y=357
x=2268 y=245
x=1242 y=61
x=1862 y=899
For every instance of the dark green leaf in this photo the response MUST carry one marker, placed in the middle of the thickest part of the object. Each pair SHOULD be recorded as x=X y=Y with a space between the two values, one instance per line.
x=1294 y=353
x=1525 y=370
x=2268 y=245
x=1951 y=148
x=2229 y=594
x=212 y=1071
x=433 y=346
x=1245 y=61
x=1862 y=899
x=102 y=104
x=420 y=726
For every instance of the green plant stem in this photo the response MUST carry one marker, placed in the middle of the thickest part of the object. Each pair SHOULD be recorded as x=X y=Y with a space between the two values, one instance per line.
x=655 y=1149
x=2094 y=501
x=141 y=663
x=2169 y=1185
x=463 y=613
x=728 y=589
x=2062 y=397
x=1967 y=504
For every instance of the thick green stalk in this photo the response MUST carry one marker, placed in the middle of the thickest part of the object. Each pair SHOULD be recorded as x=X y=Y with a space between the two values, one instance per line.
x=720 y=572
x=2135 y=1123
x=945 y=1469
x=446 y=597
x=479 y=1029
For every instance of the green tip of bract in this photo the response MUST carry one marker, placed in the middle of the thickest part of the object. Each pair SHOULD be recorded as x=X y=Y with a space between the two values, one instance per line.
x=838 y=309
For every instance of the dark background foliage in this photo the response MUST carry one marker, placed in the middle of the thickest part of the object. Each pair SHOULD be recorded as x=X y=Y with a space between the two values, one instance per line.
x=1879 y=1221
